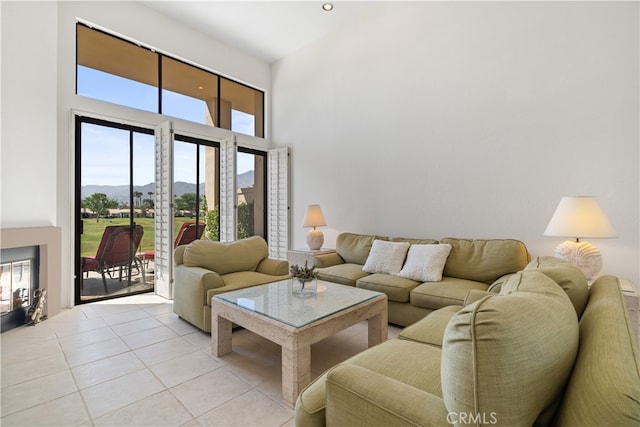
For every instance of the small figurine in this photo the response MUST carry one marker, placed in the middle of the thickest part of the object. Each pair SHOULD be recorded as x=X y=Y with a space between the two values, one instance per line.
x=34 y=314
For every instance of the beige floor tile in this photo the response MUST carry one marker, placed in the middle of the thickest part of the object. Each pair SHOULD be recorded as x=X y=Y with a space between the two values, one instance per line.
x=164 y=350
x=253 y=364
x=127 y=316
x=158 y=410
x=199 y=339
x=158 y=308
x=92 y=352
x=64 y=411
x=183 y=368
x=106 y=369
x=35 y=392
x=137 y=363
x=176 y=324
x=264 y=412
x=18 y=351
x=148 y=337
x=32 y=369
x=208 y=391
x=119 y=392
x=86 y=338
x=135 y=326
x=72 y=328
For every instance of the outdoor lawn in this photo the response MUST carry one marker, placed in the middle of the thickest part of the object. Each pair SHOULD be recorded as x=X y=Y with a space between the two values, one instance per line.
x=93 y=232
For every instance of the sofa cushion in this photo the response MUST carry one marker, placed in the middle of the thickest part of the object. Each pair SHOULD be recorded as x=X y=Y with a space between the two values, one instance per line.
x=448 y=291
x=568 y=276
x=484 y=260
x=430 y=329
x=413 y=241
x=502 y=345
x=241 y=280
x=224 y=258
x=386 y=257
x=345 y=274
x=396 y=288
x=354 y=248
x=425 y=263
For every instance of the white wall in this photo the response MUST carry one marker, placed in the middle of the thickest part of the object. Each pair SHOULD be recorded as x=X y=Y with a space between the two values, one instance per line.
x=29 y=123
x=432 y=119
x=38 y=97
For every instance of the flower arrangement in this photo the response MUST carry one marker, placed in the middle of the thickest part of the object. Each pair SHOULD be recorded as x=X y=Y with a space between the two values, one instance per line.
x=303 y=273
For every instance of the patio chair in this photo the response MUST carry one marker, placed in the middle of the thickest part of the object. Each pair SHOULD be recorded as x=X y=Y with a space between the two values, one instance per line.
x=117 y=249
x=189 y=231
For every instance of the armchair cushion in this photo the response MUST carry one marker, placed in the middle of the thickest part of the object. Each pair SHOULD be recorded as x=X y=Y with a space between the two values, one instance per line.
x=223 y=258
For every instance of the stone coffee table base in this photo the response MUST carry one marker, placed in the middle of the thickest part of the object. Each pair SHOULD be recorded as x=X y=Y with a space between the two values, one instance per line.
x=295 y=342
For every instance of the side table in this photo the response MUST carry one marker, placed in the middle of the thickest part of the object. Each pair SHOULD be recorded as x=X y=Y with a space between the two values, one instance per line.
x=299 y=256
x=632 y=299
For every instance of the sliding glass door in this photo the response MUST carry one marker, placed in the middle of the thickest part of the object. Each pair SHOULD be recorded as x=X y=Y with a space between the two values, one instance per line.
x=114 y=200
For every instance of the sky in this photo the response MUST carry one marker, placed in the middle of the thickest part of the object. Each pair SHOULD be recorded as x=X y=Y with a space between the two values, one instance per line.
x=105 y=155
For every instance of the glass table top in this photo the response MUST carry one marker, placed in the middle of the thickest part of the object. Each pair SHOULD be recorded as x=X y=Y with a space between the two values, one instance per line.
x=275 y=300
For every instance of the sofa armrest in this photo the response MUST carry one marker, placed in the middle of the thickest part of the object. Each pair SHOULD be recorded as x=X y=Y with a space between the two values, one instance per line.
x=327 y=260
x=357 y=396
x=475 y=295
x=178 y=254
x=195 y=282
x=496 y=286
x=273 y=267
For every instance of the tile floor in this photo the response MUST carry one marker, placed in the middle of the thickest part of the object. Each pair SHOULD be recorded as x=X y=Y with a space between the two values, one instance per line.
x=132 y=362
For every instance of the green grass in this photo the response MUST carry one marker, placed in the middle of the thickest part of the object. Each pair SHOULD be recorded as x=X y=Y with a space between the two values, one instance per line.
x=93 y=232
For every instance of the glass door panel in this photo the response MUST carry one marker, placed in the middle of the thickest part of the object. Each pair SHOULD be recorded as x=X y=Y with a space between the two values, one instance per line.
x=114 y=167
x=250 y=183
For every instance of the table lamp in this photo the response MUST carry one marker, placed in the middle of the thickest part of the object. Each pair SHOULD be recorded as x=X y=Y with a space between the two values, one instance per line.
x=313 y=217
x=580 y=217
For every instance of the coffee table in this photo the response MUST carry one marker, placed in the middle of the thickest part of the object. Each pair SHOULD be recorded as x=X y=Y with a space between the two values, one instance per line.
x=294 y=323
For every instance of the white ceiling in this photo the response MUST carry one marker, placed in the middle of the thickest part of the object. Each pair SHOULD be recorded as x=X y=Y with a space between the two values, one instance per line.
x=268 y=30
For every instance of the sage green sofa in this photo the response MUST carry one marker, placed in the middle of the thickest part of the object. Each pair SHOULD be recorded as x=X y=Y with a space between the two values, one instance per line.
x=471 y=264
x=205 y=268
x=542 y=351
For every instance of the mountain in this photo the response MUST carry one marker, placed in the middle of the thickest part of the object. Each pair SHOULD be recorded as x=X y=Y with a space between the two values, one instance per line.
x=121 y=192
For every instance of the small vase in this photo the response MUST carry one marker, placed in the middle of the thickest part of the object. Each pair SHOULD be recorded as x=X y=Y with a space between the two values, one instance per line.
x=304 y=287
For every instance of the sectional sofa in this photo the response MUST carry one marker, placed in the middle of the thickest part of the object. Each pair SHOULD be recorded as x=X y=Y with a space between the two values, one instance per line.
x=541 y=349
x=420 y=276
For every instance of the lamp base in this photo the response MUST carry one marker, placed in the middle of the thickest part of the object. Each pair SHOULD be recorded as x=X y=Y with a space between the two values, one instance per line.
x=583 y=255
x=315 y=239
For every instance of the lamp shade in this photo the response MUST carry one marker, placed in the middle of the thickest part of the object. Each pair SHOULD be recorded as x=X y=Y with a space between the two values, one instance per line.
x=313 y=217
x=579 y=217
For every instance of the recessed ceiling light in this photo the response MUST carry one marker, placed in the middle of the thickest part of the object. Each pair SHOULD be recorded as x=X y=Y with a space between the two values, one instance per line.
x=327 y=7
x=201 y=87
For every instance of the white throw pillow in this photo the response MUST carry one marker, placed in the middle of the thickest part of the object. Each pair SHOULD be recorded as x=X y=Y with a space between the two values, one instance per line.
x=425 y=263
x=386 y=257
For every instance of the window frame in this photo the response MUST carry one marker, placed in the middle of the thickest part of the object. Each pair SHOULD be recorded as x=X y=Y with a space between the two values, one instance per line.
x=259 y=116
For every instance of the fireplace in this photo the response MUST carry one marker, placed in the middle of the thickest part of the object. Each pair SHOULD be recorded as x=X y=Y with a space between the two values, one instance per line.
x=19 y=279
x=45 y=268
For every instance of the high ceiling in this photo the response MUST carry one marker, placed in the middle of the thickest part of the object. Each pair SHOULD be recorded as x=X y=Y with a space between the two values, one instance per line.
x=268 y=30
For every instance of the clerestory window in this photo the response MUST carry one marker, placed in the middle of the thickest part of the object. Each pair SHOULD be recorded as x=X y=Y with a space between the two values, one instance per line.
x=115 y=70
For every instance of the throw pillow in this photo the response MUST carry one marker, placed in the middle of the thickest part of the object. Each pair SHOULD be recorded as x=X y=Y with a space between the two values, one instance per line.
x=386 y=257
x=425 y=263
